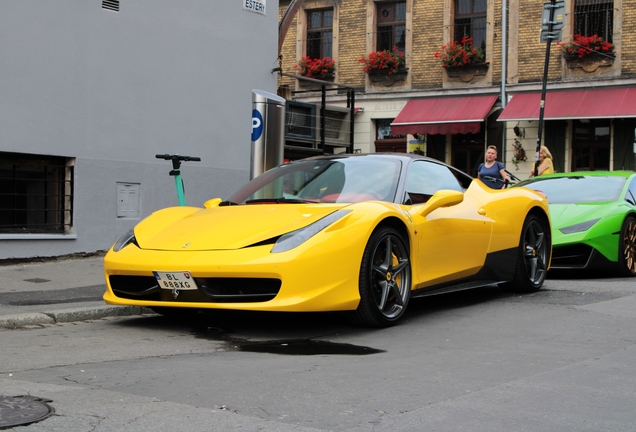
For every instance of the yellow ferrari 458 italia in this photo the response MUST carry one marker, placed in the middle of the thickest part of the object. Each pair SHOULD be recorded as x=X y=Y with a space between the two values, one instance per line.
x=355 y=233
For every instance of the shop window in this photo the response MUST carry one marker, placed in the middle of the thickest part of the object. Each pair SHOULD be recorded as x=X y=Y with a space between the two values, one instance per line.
x=385 y=141
x=320 y=33
x=591 y=145
x=470 y=20
x=36 y=193
x=594 y=17
x=391 y=26
x=468 y=152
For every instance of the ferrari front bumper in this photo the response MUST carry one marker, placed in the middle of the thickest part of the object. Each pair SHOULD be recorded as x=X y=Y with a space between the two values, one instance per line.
x=304 y=279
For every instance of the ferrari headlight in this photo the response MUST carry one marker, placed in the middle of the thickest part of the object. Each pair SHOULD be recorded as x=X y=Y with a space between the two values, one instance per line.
x=125 y=240
x=296 y=238
x=583 y=226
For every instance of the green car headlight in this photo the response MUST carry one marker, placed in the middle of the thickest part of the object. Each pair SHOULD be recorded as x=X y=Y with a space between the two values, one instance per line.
x=296 y=238
x=125 y=240
x=583 y=226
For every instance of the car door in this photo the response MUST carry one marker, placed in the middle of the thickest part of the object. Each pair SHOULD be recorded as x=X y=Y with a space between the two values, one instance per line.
x=451 y=241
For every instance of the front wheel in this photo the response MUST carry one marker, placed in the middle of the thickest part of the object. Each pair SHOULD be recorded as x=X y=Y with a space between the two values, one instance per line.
x=627 y=247
x=533 y=255
x=385 y=280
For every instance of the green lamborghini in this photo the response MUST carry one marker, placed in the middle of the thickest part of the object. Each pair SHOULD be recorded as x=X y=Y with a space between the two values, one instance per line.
x=593 y=217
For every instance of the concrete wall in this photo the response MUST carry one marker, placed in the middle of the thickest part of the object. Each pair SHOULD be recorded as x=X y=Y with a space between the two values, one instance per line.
x=112 y=89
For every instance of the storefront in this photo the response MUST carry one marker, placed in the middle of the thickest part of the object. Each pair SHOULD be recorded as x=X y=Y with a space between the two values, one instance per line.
x=453 y=129
x=585 y=130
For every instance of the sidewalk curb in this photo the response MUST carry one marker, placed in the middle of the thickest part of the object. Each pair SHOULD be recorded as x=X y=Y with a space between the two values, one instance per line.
x=69 y=315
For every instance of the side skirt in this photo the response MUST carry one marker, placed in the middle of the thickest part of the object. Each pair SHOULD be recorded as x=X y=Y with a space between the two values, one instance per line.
x=499 y=267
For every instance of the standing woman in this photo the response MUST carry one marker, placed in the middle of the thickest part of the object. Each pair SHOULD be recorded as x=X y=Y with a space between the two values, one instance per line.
x=545 y=162
x=492 y=168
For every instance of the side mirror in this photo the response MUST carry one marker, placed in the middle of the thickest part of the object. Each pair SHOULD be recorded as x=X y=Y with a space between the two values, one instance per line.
x=442 y=198
x=214 y=202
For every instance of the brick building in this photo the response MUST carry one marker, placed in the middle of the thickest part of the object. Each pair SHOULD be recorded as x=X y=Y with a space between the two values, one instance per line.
x=453 y=113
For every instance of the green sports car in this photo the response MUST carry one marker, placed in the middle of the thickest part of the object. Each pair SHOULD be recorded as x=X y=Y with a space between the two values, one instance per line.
x=593 y=217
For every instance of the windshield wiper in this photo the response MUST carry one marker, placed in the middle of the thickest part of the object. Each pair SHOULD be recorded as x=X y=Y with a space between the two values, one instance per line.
x=227 y=203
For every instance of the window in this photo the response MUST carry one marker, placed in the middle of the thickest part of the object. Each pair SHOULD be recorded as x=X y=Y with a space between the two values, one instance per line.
x=470 y=20
x=468 y=151
x=36 y=193
x=630 y=197
x=391 y=26
x=300 y=120
x=426 y=178
x=320 y=33
x=591 y=145
x=594 y=17
x=112 y=5
x=386 y=141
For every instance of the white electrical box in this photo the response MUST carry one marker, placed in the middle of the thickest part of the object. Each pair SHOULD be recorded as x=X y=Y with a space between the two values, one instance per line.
x=128 y=201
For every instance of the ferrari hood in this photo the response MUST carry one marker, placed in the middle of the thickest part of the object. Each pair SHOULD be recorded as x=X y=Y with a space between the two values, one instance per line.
x=564 y=215
x=223 y=228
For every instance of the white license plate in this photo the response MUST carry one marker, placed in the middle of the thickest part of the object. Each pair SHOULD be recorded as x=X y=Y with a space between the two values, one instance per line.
x=181 y=281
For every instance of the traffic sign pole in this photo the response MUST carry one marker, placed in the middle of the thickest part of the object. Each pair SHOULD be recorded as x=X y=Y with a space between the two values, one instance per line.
x=550 y=29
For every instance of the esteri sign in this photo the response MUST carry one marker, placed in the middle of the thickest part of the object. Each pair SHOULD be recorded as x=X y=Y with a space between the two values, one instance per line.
x=256 y=6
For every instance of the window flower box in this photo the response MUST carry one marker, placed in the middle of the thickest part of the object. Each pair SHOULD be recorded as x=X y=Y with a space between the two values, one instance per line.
x=305 y=84
x=589 y=64
x=467 y=73
x=587 y=52
x=313 y=68
x=386 y=78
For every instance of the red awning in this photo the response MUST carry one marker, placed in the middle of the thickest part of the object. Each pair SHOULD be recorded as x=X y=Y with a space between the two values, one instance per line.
x=576 y=104
x=453 y=115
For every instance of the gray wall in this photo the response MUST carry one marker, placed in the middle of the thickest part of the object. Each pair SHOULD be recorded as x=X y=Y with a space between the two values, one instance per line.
x=112 y=89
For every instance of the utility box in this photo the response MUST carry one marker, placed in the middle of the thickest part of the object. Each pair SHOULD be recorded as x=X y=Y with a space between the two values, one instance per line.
x=128 y=203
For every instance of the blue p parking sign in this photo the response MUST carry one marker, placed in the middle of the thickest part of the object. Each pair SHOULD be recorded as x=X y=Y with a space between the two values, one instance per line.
x=257 y=125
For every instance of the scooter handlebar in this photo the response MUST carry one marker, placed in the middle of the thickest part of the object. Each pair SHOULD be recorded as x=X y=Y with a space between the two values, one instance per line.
x=178 y=157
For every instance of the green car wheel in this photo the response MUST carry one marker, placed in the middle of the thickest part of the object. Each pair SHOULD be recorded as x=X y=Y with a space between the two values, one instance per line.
x=627 y=252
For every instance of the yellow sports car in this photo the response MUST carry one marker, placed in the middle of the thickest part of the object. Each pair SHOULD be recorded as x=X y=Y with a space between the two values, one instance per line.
x=355 y=233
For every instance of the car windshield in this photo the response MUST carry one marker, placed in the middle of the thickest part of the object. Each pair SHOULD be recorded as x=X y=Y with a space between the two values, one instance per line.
x=577 y=189
x=337 y=180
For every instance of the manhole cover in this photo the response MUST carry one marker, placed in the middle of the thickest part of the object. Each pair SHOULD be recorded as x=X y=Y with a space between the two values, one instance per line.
x=37 y=280
x=22 y=410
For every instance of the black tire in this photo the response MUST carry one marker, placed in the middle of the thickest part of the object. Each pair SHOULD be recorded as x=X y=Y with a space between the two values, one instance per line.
x=533 y=256
x=627 y=247
x=385 y=280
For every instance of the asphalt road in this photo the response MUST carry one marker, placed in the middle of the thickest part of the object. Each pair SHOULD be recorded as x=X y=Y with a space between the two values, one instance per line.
x=562 y=359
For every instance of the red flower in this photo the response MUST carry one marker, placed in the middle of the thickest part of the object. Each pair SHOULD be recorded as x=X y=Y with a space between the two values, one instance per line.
x=460 y=53
x=311 y=68
x=389 y=61
x=585 y=46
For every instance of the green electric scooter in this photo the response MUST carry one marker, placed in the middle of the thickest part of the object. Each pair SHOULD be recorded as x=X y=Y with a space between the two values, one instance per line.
x=176 y=165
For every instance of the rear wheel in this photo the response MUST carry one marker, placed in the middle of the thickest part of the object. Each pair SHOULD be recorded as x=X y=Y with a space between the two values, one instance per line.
x=535 y=247
x=385 y=280
x=627 y=247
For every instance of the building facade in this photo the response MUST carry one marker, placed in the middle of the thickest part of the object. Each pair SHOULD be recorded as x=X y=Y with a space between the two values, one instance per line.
x=91 y=91
x=453 y=110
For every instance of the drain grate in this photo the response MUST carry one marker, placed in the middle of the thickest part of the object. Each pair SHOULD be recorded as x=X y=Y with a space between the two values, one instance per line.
x=23 y=410
x=37 y=280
